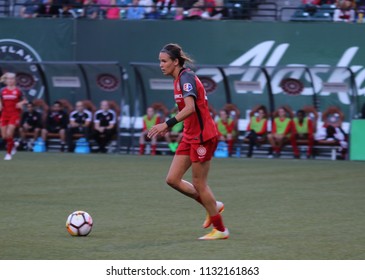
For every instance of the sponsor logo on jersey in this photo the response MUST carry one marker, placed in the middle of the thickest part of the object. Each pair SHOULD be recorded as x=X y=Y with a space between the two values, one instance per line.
x=187 y=87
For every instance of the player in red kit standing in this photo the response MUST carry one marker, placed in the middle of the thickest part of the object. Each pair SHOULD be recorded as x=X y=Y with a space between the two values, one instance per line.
x=199 y=140
x=11 y=103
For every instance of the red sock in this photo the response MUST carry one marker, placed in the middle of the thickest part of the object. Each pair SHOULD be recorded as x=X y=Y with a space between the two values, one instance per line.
x=153 y=149
x=141 y=149
x=10 y=145
x=217 y=222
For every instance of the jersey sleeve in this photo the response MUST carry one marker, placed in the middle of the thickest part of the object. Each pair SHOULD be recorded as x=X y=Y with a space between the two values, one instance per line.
x=97 y=117
x=114 y=117
x=72 y=116
x=89 y=116
x=188 y=85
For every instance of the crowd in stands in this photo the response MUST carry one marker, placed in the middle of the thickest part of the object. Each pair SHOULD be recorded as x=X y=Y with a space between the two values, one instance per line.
x=338 y=10
x=126 y=9
x=335 y=10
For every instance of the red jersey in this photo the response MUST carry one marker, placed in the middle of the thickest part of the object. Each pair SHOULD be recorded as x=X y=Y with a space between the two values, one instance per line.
x=199 y=126
x=9 y=99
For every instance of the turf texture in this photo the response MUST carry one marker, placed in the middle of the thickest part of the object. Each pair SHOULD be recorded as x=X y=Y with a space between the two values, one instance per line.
x=275 y=209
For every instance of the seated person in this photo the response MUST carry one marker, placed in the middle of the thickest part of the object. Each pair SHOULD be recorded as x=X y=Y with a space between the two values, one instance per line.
x=344 y=11
x=226 y=129
x=149 y=120
x=302 y=130
x=31 y=122
x=280 y=134
x=174 y=135
x=80 y=121
x=332 y=133
x=56 y=122
x=30 y=8
x=104 y=125
x=256 y=129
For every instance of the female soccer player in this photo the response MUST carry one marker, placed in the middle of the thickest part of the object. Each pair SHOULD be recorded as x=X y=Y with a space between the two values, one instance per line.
x=11 y=102
x=199 y=141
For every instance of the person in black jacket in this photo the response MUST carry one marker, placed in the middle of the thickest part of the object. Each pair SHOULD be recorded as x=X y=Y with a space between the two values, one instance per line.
x=57 y=121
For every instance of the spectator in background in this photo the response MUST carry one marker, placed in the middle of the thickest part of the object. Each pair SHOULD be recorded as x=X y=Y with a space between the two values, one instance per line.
x=49 y=9
x=174 y=135
x=113 y=12
x=135 y=11
x=196 y=10
x=80 y=121
x=217 y=12
x=104 y=6
x=89 y=11
x=149 y=120
x=256 y=128
x=344 y=11
x=147 y=6
x=282 y=126
x=56 y=122
x=104 y=125
x=302 y=130
x=164 y=6
x=226 y=129
x=31 y=122
x=30 y=9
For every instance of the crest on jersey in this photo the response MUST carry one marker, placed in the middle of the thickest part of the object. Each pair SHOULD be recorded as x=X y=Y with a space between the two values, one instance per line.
x=187 y=87
x=202 y=151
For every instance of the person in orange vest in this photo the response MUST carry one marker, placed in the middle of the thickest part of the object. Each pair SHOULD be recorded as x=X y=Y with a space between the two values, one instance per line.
x=226 y=129
x=302 y=129
x=256 y=129
x=149 y=120
x=280 y=133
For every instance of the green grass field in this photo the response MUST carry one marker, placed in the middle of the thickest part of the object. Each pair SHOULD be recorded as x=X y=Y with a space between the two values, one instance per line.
x=275 y=209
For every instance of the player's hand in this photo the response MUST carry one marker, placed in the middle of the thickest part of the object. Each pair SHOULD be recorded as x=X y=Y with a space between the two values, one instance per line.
x=158 y=129
x=19 y=105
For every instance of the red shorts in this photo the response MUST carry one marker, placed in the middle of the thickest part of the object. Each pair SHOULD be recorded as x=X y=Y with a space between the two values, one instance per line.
x=196 y=151
x=10 y=120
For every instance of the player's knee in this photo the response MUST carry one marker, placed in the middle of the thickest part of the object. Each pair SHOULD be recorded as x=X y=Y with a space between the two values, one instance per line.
x=172 y=181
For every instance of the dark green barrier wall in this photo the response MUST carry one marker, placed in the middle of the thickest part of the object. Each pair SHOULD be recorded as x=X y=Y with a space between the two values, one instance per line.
x=231 y=42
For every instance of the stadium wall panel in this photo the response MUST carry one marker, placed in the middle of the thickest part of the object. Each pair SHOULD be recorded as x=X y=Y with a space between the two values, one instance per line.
x=236 y=43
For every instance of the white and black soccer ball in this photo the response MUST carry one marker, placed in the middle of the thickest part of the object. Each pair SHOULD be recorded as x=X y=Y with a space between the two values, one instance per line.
x=79 y=223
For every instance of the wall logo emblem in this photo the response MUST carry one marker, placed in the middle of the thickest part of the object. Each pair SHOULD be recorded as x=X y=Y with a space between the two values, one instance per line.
x=292 y=86
x=209 y=84
x=28 y=76
x=107 y=82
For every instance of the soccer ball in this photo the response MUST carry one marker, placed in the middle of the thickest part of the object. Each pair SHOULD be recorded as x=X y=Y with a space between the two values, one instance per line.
x=79 y=223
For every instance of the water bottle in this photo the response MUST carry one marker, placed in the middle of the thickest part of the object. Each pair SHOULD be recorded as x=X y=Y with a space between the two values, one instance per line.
x=238 y=151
